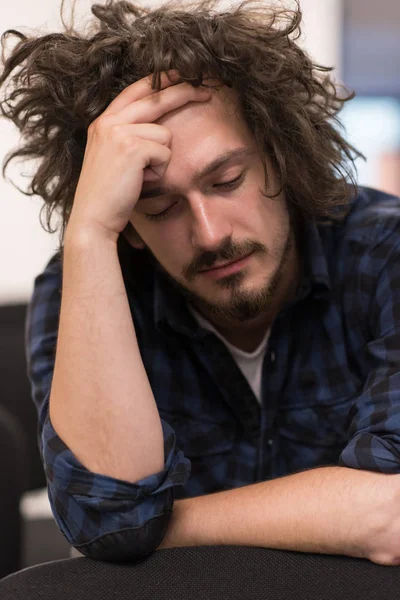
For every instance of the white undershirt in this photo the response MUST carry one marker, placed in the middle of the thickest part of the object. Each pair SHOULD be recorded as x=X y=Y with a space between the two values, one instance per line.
x=250 y=363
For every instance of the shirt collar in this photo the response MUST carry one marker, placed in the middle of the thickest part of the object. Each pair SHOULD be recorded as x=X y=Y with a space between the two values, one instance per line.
x=170 y=305
x=315 y=277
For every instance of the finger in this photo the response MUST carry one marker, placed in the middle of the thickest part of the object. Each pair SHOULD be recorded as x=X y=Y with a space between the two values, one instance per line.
x=149 y=131
x=153 y=107
x=155 y=156
x=149 y=175
x=140 y=89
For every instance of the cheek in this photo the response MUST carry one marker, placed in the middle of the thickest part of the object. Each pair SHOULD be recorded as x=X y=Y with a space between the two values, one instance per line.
x=167 y=245
x=273 y=224
x=273 y=211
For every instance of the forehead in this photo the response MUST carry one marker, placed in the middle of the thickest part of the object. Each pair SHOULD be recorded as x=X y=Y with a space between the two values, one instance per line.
x=219 y=116
x=201 y=132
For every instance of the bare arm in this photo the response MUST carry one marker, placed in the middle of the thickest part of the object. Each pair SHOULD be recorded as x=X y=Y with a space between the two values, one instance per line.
x=328 y=510
x=101 y=403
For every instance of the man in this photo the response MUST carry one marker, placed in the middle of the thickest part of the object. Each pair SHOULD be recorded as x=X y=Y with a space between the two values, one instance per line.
x=214 y=352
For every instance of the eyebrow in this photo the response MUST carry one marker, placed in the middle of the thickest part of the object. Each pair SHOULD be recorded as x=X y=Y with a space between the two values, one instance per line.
x=199 y=174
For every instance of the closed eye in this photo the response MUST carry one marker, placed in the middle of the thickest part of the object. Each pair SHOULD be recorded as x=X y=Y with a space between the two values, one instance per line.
x=160 y=215
x=230 y=184
x=226 y=185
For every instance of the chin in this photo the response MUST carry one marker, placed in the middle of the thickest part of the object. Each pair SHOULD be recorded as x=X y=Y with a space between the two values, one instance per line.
x=244 y=305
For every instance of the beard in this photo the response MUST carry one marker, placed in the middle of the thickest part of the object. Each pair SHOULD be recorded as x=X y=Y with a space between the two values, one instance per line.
x=242 y=305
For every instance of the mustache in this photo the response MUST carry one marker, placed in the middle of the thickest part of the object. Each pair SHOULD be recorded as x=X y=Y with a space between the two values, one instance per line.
x=229 y=251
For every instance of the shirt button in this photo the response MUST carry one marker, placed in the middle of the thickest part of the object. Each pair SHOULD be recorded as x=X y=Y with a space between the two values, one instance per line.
x=272 y=357
x=270 y=442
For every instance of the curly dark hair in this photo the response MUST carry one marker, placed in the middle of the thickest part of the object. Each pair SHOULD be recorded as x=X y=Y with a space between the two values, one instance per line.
x=55 y=85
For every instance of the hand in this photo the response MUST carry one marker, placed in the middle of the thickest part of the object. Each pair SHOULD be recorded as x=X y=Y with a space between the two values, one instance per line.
x=383 y=545
x=124 y=148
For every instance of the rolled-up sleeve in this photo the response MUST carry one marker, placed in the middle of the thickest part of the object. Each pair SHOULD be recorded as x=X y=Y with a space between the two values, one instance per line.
x=104 y=518
x=374 y=433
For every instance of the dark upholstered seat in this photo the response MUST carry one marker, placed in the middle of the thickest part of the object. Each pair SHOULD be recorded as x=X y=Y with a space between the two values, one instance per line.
x=208 y=573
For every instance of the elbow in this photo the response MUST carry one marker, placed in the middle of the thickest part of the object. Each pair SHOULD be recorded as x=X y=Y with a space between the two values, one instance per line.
x=130 y=543
x=106 y=519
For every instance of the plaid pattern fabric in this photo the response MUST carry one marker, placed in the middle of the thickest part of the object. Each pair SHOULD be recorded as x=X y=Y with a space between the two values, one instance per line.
x=330 y=384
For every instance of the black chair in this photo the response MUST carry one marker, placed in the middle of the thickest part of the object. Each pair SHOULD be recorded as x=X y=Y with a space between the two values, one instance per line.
x=13 y=474
x=15 y=391
x=42 y=541
x=208 y=573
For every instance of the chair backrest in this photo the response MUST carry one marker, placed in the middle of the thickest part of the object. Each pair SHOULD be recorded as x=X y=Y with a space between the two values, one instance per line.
x=15 y=393
x=13 y=477
x=212 y=572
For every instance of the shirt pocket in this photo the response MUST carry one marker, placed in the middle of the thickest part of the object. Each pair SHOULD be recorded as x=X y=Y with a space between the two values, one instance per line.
x=317 y=413
x=198 y=438
x=209 y=447
x=313 y=436
x=322 y=425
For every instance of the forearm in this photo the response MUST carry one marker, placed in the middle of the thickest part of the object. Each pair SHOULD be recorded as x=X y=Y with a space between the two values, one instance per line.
x=101 y=403
x=329 y=510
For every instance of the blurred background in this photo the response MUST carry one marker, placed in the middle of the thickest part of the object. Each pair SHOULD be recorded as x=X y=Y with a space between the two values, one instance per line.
x=360 y=39
x=370 y=65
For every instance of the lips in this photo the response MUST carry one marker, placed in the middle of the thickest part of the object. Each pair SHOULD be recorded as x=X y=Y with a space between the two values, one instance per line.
x=220 y=266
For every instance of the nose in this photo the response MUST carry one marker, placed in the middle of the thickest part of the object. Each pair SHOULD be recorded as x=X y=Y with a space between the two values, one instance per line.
x=210 y=224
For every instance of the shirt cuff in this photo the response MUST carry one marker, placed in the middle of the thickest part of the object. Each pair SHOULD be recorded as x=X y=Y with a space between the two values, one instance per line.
x=372 y=453
x=66 y=473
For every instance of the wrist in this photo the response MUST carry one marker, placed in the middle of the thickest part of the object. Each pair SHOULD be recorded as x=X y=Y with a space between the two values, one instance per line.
x=83 y=234
x=177 y=534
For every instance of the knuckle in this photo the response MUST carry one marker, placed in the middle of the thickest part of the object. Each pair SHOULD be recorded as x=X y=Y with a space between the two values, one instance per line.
x=115 y=130
x=164 y=153
x=102 y=124
x=167 y=135
x=92 y=128
x=128 y=143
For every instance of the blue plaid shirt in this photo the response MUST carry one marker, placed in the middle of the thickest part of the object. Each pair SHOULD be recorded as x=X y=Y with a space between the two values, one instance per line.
x=330 y=384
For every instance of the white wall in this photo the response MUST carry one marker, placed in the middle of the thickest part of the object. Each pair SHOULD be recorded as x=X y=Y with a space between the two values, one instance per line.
x=323 y=31
x=24 y=246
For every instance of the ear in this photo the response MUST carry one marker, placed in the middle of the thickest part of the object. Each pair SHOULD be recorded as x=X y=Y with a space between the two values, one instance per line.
x=132 y=237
